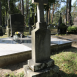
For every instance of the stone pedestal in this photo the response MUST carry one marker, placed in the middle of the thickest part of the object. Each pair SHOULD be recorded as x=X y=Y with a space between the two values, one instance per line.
x=42 y=70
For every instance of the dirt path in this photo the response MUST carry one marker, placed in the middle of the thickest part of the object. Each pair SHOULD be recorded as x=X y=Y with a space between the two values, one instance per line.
x=69 y=36
x=16 y=69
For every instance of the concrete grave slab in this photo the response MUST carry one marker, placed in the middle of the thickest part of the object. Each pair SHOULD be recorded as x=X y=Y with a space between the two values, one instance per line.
x=59 y=41
x=14 y=52
x=9 y=49
x=7 y=41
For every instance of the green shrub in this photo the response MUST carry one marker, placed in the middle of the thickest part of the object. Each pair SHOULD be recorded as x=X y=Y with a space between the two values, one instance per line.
x=62 y=28
x=72 y=29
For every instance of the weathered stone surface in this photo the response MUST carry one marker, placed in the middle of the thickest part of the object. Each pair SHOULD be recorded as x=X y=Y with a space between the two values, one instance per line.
x=48 y=72
x=40 y=9
x=40 y=25
x=40 y=45
x=39 y=66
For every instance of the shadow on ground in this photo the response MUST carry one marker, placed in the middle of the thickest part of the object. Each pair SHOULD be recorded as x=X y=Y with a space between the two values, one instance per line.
x=14 y=67
x=72 y=49
x=63 y=74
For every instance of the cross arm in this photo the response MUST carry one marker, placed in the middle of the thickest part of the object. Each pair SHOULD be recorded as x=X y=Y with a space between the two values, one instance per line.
x=37 y=1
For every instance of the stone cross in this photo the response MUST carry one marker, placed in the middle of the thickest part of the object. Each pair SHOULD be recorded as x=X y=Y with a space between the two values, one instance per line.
x=40 y=65
x=40 y=9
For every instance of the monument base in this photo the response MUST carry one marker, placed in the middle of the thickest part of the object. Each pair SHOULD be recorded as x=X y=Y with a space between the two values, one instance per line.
x=47 y=72
x=45 y=69
x=39 y=66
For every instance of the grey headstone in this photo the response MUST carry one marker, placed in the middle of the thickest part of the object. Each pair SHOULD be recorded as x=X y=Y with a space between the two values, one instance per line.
x=60 y=19
x=65 y=21
x=40 y=43
x=16 y=23
x=40 y=46
x=75 y=21
x=41 y=35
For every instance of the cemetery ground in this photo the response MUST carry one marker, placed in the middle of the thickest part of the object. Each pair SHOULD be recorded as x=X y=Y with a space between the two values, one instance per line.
x=65 y=59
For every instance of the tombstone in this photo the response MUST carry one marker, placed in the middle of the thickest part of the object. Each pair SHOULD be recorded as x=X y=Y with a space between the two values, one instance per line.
x=65 y=21
x=75 y=21
x=61 y=26
x=60 y=22
x=0 y=16
x=71 y=20
x=16 y=23
x=40 y=65
x=30 y=23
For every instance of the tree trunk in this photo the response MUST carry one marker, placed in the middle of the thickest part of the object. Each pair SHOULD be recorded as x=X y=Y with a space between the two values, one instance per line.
x=66 y=11
x=52 y=13
x=3 y=20
x=68 y=14
x=6 y=16
x=8 y=22
x=22 y=7
x=0 y=15
x=70 y=18
x=6 y=13
x=49 y=16
x=8 y=5
x=27 y=6
x=19 y=7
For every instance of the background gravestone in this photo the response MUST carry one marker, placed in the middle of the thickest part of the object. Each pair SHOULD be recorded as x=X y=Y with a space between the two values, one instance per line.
x=16 y=23
x=75 y=21
x=65 y=21
x=60 y=22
